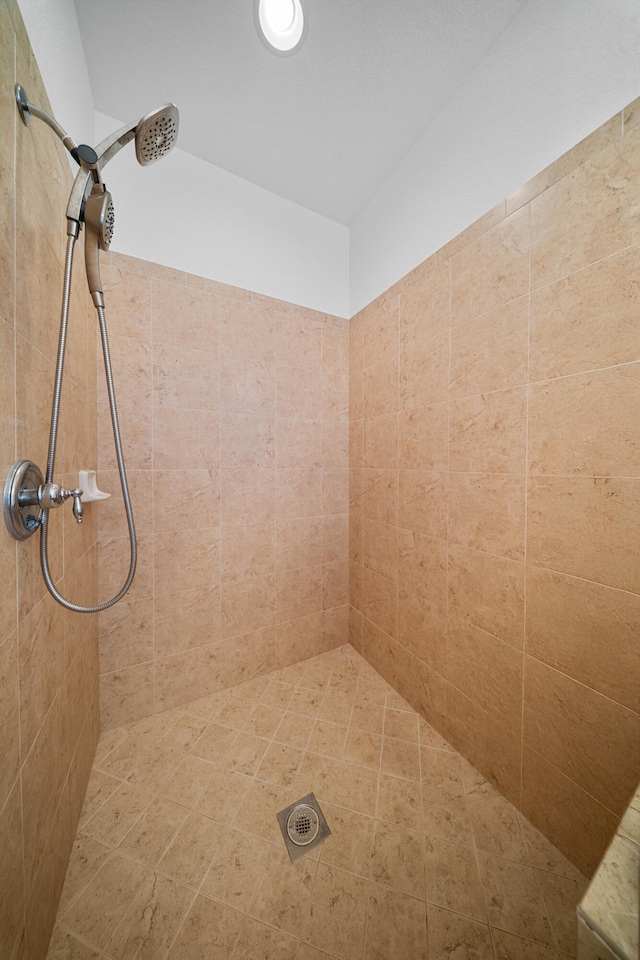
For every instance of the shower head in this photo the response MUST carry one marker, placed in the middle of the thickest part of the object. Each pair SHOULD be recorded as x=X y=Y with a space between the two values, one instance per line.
x=155 y=135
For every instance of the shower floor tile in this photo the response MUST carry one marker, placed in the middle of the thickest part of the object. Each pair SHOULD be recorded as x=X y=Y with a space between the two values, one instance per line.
x=179 y=855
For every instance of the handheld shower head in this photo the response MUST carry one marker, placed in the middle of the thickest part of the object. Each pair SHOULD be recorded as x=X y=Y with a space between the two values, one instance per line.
x=155 y=135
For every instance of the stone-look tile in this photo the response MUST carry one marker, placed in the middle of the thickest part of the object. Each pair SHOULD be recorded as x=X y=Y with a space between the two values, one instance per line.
x=585 y=630
x=294 y=730
x=396 y=926
x=513 y=899
x=422 y=502
x=380 y=495
x=453 y=935
x=581 y=526
x=424 y=302
x=379 y=601
x=327 y=739
x=422 y=626
x=488 y=592
x=236 y=869
x=337 y=912
x=299 y=595
x=179 y=313
x=561 y=897
x=452 y=879
x=87 y=856
x=357 y=788
x=379 y=548
x=190 y=854
x=318 y=775
x=490 y=352
x=64 y=946
x=10 y=715
x=247 y=496
x=487 y=512
x=280 y=765
x=599 y=748
x=544 y=856
x=596 y=436
x=487 y=433
x=380 y=387
x=576 y=823
x=187 y=436
x=380 y=329
x=298 y=543
x=422 y=566
x=335 y=538
x=587 y=320
x=153 y=919
x=381 y=442
x=423 y=438
x=11 y=872
x=508 y=947
x=397 y=859
x=247 y=605
x=182 y=621
x=111 y=823
x=260 y=940
x=559 y=243
x=283 y=896
x=485 y=669
x=247 y=552
x=101 y=907
x=400 y=759
x=152 y=833
x=210 y=927
x=349 y=846
x=126 y=634
x=496 y=826
x=491 y=270
x=400 y=802
x=299 y=492
x=423 y=371
x=184 y=377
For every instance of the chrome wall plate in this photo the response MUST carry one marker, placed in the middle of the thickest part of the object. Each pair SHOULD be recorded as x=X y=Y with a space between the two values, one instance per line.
x=22 y=512
x=303 y=826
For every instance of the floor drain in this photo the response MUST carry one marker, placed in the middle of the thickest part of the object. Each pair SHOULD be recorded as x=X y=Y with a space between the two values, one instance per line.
x=303 y=826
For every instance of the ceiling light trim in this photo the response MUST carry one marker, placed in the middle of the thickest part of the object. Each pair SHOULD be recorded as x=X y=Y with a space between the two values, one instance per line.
x=282 y=42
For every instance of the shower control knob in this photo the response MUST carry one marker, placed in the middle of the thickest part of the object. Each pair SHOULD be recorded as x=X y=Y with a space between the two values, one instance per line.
x=50 y=495
x=53 y=495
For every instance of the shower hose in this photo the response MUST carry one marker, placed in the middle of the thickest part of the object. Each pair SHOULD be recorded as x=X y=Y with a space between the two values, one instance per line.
x=53 y=436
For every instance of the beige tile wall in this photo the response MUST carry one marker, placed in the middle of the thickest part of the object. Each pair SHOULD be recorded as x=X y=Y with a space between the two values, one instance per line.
x=495 y=490
x=234 y=413
x=48 y=657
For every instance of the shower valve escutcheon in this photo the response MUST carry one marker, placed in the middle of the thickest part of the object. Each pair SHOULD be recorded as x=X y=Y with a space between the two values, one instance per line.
x=26 y=495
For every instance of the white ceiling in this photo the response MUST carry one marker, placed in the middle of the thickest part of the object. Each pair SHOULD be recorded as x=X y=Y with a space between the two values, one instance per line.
x=323 y=128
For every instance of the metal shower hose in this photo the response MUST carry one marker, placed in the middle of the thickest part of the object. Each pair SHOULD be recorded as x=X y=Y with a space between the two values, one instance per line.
x=53 y=435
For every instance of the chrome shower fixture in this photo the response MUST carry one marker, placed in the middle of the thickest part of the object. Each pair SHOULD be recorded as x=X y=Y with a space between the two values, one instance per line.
x=28 y=496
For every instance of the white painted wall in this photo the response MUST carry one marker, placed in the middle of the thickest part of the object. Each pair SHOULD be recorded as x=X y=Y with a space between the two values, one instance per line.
x=559 y=70
x=183 y=212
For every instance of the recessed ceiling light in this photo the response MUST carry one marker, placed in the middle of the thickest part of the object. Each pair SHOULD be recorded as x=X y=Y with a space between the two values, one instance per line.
x=281 y=24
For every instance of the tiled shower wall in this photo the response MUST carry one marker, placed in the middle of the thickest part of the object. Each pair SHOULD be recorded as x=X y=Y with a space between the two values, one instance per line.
x=495 y=499
x=48 y=657
x=234 y=415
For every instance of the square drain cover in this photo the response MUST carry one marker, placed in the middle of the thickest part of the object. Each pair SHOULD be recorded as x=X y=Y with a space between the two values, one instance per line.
x=303 y=826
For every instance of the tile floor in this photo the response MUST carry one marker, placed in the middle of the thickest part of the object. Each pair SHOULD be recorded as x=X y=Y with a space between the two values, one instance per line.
x=179 y=855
